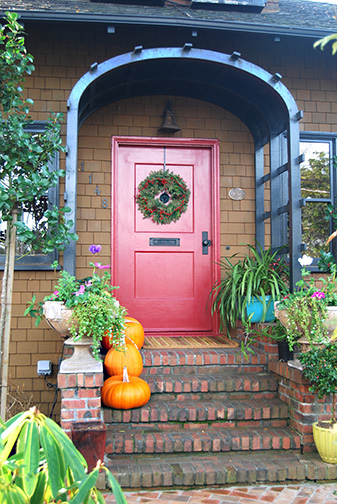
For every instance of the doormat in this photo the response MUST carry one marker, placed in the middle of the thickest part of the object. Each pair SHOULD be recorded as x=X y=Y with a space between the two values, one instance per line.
x=162 y=342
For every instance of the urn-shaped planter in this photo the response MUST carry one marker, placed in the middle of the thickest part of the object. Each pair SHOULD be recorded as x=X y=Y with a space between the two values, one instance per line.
x=330 y=322
x=58 y=317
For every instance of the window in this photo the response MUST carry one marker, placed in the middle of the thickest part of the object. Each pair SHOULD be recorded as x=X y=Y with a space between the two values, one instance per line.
x=35 y=260
x=318 y=188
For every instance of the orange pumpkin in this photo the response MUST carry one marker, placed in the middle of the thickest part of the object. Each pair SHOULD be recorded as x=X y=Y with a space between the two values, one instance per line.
x=133 y=331
x=124 y=392
x=116 y=359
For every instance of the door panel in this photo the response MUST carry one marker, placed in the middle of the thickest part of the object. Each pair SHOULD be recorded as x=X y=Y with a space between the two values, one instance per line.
x=163 y=276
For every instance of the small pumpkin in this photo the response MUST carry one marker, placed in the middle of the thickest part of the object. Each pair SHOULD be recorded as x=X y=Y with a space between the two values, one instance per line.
x=125 y=392
x=133 y=331
x=116 y=359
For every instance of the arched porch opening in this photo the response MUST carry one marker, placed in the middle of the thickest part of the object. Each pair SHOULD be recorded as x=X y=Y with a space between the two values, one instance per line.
x=255 y=96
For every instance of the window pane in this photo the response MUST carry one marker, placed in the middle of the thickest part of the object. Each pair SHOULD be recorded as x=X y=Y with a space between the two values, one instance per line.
x=315 y=170
x=315 y=229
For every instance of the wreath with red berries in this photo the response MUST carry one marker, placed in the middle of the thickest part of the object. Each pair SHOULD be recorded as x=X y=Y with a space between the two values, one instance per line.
x=163 y=197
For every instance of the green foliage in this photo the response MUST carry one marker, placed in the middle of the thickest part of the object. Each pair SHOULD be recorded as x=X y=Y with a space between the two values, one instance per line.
x=320 y=368
x=315 y=183
x=95 y=310
x=326 y=262
x=259 y=274
x=306 y=308
x=25 y=174
x=324 y=41
x=40 y=465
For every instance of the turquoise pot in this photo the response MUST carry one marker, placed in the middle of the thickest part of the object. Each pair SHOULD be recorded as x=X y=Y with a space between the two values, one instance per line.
x=255 y=308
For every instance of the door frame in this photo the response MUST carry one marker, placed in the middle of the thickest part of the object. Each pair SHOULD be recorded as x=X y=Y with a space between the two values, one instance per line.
x=214 y=146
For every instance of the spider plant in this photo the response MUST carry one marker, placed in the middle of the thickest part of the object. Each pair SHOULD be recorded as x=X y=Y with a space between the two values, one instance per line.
x=261 y=274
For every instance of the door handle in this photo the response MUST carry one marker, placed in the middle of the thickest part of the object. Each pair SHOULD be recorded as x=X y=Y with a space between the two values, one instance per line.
x=205 y=243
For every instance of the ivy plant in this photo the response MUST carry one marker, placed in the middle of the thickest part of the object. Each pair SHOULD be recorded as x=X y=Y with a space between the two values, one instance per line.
x=25 y=174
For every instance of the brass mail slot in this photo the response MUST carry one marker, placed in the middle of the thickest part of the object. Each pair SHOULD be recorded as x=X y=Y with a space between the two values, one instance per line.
x=164 y=242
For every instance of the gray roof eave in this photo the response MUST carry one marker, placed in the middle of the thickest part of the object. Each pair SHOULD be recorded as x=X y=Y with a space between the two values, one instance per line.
x=206 y=24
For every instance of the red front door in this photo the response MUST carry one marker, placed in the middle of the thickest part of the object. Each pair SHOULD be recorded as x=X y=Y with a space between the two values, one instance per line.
x=164 y=271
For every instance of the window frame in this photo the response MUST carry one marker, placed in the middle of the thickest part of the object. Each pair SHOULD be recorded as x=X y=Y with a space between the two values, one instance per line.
x=331 y=138
x=41 y=261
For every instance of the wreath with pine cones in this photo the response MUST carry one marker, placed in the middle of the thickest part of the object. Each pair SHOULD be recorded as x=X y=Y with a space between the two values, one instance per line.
x=163 y=197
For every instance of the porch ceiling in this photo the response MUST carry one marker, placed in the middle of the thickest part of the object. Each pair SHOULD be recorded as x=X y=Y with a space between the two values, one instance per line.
x=250 y=95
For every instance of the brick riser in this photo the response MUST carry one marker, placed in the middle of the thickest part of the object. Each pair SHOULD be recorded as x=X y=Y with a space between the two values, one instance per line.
x=204 y=403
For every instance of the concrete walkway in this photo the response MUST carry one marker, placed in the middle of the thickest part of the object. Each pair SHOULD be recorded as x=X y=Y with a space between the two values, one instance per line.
x=308 y=493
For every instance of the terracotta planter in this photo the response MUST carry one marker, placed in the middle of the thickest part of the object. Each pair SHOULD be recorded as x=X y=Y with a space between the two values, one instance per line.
x=89 y=438
x=58 y=317
x=326 y=442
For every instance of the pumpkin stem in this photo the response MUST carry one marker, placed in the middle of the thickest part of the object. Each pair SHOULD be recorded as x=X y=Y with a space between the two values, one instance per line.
x=125 y=375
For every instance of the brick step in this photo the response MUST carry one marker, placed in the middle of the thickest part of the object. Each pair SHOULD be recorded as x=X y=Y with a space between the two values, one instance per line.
x=154 y=440
x=201 y=360
x=225 y=383
x=201 y=469
x=202 y=411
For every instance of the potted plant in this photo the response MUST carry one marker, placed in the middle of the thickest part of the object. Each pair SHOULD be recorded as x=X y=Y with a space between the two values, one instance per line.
x=40 y=464
x=249 y=287
x=83 y=308
x=320 y=368
x=309 y=314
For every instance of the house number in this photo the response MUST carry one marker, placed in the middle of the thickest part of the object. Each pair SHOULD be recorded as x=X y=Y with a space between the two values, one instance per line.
x=105 y=203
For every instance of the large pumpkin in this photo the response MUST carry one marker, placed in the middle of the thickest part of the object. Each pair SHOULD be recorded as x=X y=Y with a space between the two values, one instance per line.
x=116 y=359
x=124 y=392
x=133 y=331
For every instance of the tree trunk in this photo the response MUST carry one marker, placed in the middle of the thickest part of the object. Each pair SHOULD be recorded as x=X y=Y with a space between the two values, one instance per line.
x=10 y=258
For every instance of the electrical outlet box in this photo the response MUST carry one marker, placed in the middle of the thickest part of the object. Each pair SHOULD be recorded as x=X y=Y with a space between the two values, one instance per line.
x=44 y=367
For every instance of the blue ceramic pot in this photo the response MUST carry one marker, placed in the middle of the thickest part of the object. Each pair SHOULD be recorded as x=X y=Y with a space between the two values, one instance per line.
x=255 y=308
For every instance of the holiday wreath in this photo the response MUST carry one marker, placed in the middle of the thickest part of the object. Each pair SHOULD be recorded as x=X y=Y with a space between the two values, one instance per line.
x=163 y=196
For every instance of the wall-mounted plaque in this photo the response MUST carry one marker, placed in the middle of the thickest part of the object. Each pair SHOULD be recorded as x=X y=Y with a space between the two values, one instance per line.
x=237 y=194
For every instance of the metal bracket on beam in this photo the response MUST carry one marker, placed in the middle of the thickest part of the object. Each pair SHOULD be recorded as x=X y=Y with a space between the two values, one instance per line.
x=283 y=209
x=276 y=77
x=93 y=67
x=299 y=115
x=187 y=47
x=265 y=215
x=303 y=247
x=67 y=150
x=301 y=158
x=65 y=196
x=138 y=49
x=235 y=55
x=264 y=179
x=68 y=104
x=281 y=169
x=303 y=202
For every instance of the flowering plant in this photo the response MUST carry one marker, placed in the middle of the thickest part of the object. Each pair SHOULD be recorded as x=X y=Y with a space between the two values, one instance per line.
x=319 y=367
x=306 y=308
x=96 y=312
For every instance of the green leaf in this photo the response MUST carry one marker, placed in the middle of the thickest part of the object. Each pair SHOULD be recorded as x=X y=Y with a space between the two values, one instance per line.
x=53 y=457
x=31 y=457
x=117 y=491
x=38 y=496
x=72 y=457
x=85 y=486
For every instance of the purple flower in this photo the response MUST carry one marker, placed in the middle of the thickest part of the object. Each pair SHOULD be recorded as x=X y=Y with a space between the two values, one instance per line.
x=95 y=249
x=80 y=291
x=100 y=266
x=318 y=295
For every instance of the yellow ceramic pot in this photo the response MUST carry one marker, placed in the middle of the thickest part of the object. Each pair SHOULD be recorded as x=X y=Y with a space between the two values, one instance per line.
x=326 y=442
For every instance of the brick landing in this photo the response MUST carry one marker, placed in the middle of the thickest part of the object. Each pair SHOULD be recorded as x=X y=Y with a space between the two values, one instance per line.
x=291 y=494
